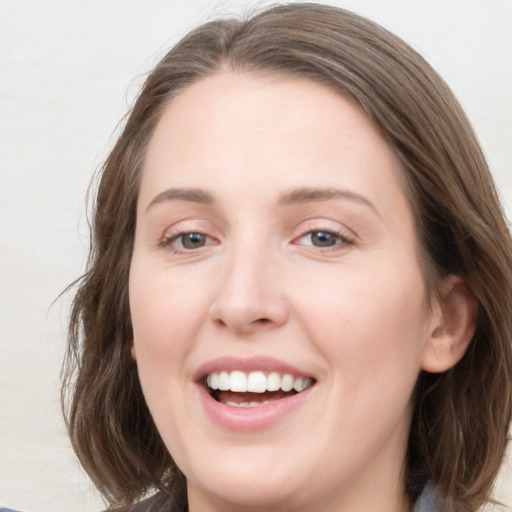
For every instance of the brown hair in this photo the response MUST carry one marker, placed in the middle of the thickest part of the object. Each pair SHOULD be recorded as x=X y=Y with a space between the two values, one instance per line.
x=461 y=418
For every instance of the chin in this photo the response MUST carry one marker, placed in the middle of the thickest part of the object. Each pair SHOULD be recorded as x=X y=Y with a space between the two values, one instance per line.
x=247 y=490
x=245 y=478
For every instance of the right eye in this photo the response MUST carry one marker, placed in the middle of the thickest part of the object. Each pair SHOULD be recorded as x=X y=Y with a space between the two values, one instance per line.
x=322 y=239
x=185 y=242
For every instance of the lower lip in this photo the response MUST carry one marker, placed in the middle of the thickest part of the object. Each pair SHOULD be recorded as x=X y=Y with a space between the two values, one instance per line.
x=249 y=419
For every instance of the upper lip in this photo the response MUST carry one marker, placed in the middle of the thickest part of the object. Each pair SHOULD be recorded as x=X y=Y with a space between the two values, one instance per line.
x=250 y=364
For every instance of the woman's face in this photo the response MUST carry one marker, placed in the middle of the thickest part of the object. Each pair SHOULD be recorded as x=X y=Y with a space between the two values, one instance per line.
x=275 y=247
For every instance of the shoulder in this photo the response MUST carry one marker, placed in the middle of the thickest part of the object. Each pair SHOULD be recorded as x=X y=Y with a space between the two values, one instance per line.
x=431 y=500
x=158 y=503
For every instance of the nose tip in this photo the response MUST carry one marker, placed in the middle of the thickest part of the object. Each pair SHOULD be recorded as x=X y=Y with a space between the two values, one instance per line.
x=249 y=299
x=243 y=319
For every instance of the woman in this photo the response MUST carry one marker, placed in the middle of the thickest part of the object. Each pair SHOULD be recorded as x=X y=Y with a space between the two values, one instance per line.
x=300 y=285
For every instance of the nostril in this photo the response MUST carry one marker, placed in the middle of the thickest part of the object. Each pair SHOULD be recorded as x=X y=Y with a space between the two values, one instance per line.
x=262 y=321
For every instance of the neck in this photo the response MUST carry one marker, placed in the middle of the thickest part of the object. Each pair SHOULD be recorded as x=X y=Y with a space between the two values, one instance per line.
x=374 y=497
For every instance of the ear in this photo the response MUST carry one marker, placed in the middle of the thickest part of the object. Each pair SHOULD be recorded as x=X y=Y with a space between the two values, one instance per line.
x=453 y=326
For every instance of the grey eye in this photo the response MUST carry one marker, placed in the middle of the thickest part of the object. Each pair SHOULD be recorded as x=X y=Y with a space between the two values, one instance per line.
x=323 y=239
x=192 y=240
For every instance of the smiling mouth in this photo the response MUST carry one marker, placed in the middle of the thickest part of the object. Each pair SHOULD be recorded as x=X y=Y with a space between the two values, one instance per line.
x=253 y=389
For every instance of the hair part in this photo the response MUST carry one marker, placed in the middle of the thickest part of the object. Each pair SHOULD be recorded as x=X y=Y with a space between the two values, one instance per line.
x=461 y=417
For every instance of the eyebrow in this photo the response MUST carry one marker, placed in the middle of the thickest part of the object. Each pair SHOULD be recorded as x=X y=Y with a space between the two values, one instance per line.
x=194 y=195
x=306 y=195
x=290 y=197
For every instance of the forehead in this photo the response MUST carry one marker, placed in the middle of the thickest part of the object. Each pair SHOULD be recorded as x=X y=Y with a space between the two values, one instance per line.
x=246 y=134
x=294 y=105
x=251 y=109
x=247 y=142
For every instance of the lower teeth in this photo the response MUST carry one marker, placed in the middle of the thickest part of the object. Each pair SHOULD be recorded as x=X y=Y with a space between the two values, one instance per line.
x=247 y=404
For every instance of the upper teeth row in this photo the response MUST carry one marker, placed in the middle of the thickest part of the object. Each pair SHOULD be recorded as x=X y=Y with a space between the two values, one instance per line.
x=256 y=382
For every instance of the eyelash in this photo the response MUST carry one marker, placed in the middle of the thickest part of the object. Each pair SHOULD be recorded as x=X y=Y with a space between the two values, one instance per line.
x=341 y=241
x=169 y=241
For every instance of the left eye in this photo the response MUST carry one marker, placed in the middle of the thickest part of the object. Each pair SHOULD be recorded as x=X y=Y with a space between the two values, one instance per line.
x=188 y=241
x=322 y=239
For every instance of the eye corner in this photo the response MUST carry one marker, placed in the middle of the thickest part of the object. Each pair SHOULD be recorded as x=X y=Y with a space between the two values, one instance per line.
x=187 y=241
x=322 y=239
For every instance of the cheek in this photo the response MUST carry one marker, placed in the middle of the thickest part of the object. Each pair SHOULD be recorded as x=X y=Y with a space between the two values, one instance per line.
x=370 y=329
x=165 y=323
x=372 y=322
x=163 y=307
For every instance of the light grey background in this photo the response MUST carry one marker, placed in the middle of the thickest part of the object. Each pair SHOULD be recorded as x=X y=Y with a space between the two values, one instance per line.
x=69 y=69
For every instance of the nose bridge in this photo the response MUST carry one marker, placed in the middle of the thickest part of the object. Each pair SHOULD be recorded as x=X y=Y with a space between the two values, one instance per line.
x=249 y=292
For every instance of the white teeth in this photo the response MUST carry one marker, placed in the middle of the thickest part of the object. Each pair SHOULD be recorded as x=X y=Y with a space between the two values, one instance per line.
x=256 y=382
x=287 y=382
x=273 y=381
x=301 y=384
x=247 y=405
x=237 y=381
x=223 y=381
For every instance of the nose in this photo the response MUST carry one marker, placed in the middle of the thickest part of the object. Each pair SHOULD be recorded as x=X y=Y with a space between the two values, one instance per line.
x=250 y=296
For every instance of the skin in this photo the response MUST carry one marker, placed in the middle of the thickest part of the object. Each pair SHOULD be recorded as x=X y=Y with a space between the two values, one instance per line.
x=354 y=315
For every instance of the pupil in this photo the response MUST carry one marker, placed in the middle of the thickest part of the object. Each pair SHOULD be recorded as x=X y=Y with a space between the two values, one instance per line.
x=193 y=240
x=323 y=239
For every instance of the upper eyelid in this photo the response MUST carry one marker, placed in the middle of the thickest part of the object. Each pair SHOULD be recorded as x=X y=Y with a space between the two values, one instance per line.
x=183 y=226
x=338 y=233
x=204 y=227
x=168 y=242
x=179 y=233
x=331 y=226
x=343 y=238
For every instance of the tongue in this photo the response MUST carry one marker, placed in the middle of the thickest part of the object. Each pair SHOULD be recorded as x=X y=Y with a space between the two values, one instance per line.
x=240 y=398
